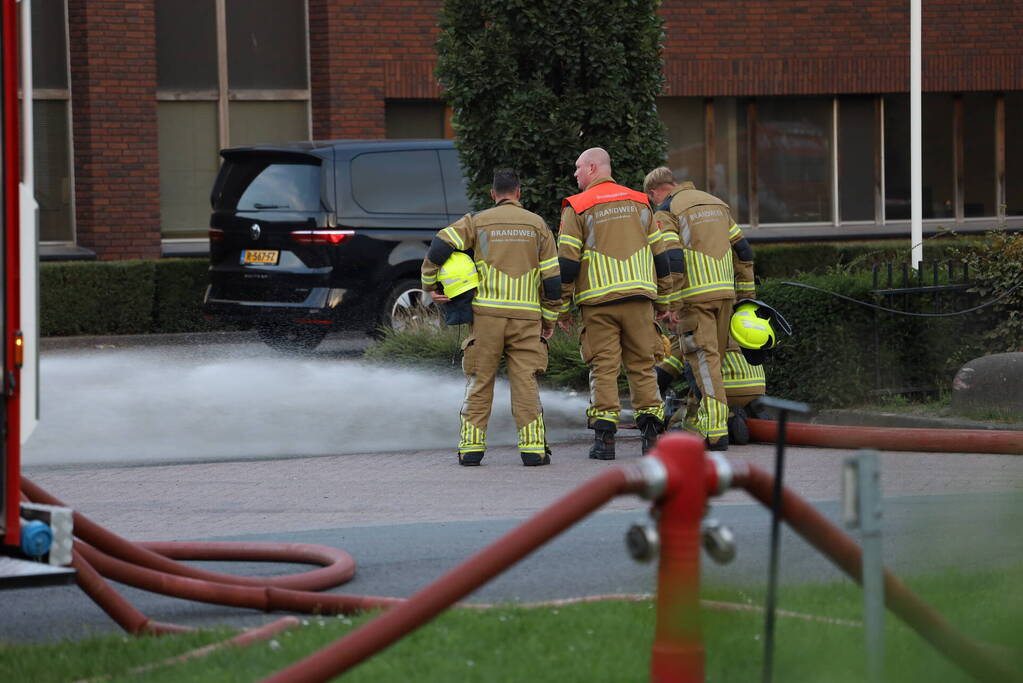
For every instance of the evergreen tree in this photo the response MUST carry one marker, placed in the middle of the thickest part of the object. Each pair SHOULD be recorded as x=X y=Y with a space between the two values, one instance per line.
x=532 y=83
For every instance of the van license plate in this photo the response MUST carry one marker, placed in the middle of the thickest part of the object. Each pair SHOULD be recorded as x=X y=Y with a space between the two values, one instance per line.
x=267 y=257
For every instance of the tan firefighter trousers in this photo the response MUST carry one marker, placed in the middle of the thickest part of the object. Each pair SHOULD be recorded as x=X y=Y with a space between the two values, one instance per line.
x=616 y=334
x=703 y=330
x=525 y=352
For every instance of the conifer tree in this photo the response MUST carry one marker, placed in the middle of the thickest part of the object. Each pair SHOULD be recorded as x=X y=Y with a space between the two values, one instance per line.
x=532 y=83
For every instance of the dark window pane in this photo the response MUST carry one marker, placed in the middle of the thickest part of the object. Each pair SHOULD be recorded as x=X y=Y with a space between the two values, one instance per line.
x=186 y=45
x=411 y=119
x=857 y=145
x=454 y=182
x=896 y=157
x=937 y=157
x=794 y=159
x=684 y=119
x=398 y=182
x=266 y=44
x=52 y=170
x=259 y=184
x=731 y=157
x=979 y=154
x=49 y=46
x=1014 y=153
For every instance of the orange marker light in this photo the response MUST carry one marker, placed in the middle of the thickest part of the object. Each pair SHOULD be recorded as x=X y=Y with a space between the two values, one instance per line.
x=19 y=349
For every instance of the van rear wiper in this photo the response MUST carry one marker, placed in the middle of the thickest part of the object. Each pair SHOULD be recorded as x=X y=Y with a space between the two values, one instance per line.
x=272 y=206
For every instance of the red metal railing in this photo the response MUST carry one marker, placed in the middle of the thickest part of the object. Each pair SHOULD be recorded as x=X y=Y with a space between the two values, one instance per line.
x=665 y=476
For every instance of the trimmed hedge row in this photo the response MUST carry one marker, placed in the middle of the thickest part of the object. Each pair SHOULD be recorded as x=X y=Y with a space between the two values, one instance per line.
x=788 y=259
x=122 y=297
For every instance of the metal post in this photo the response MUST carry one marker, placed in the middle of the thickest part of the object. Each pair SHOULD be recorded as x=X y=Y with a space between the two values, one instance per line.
x=915 y=136
x=784 y=408
x=861 y=504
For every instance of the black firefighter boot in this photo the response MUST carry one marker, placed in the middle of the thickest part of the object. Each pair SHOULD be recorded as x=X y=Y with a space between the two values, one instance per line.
x=604 y=440
x=649 y=428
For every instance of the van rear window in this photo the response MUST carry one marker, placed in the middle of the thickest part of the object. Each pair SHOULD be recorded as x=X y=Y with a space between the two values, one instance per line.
x=262 y=185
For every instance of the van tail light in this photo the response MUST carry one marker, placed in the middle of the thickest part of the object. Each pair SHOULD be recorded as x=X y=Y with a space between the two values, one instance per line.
x=216 y=235
x=322 y=236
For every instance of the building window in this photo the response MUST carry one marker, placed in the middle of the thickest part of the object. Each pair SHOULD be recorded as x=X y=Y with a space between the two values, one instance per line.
x=684 y=119
x=937 y=156
x=793 y=140
x=857 y=155
x=1014 y=154
x=51 y=113
x=978 y=168
x=229 y=73
x=415 y=119
x=730 y=171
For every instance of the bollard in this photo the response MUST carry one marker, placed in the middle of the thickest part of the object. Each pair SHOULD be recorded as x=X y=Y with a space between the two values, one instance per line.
x=677 y=655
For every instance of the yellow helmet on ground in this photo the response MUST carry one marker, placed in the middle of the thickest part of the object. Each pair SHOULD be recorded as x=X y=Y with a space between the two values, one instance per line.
x=753 y=326
x=458 y=274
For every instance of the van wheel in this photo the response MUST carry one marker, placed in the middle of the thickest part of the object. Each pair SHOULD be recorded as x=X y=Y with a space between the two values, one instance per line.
x=407 y=306
x=291 y=337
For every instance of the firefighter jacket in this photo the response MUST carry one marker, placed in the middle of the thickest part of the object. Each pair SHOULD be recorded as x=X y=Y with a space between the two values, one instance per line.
x=515 y=257
x=718 y=261
x=610 y=248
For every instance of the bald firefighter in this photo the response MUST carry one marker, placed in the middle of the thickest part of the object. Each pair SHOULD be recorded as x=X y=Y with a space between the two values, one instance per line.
x=514 y=311
x=718 y=265
x=613 y=267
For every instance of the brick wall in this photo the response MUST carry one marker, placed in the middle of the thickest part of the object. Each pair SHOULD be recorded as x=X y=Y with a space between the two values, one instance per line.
x=113 y=86
x=362 y=52
x=782 y=47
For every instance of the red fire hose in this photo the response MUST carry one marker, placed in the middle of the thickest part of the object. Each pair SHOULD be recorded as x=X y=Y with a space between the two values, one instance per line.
x=984 y=662
x=892 y=439
x=98 y=552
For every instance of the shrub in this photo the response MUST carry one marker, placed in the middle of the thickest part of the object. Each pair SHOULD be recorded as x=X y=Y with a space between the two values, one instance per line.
x=533 y=84
x=178 y=293
x=106 y=297
x=996 y=267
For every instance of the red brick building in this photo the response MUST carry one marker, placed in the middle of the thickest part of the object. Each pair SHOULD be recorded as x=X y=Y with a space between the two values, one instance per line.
x=795 y=111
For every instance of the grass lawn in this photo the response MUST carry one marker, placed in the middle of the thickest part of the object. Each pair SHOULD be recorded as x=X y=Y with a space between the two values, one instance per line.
x=608 y=641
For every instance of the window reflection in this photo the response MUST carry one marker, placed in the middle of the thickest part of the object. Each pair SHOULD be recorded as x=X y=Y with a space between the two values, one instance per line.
x=794 y=160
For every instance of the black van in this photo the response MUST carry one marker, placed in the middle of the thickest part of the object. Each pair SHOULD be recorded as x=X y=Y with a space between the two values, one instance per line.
x=307 y=237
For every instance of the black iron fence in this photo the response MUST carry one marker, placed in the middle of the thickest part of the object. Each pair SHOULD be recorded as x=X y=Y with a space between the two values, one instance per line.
x=932 y=290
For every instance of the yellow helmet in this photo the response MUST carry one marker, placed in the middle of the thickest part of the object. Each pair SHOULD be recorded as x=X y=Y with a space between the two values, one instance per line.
x=753 y=329
x=458 y=274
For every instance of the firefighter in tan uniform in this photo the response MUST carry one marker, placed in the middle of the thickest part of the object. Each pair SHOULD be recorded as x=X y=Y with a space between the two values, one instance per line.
x=613 y=267
x=514 y=311
x=718 y=265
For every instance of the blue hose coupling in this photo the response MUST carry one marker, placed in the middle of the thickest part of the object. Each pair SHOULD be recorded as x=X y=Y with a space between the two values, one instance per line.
x=36 y=538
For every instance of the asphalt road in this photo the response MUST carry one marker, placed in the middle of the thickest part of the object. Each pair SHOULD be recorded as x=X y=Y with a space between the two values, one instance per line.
x=231 y=442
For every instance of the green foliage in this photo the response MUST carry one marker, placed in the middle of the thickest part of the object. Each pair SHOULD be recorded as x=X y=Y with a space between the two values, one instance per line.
x=122 y=297
x=788 y=259
x=609 y=640
x=89 y=297
x=996 y=266
x=180 y=284
x=841 y=352
x=423 y=346
x=533 y=84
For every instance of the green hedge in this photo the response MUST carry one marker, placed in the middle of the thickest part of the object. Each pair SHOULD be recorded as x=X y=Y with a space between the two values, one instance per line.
x=121 y=297
x=788 y=259
x=841 y=351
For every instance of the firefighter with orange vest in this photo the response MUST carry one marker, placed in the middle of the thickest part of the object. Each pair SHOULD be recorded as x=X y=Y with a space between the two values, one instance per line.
x=513 y=313
x=718 y=266
x=614 y=268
